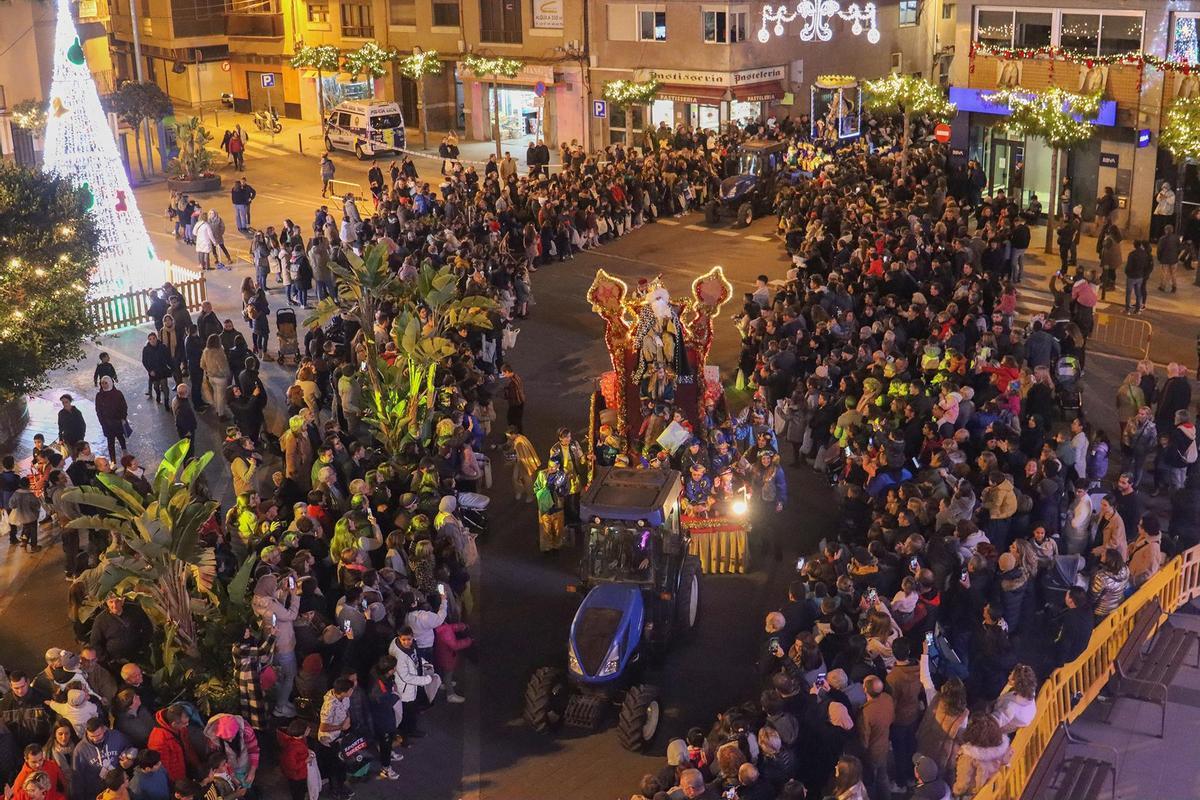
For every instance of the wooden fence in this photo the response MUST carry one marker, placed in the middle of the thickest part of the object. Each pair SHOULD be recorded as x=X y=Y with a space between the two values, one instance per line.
x=1175 y=584
x=131 y=308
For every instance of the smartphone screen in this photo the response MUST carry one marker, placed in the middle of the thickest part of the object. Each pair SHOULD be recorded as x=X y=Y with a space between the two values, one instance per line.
x=929 y=638
x=346 y=626
x=274 y=620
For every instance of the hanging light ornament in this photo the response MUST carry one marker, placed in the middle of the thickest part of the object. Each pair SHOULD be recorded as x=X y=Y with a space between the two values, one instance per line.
x=817 y=15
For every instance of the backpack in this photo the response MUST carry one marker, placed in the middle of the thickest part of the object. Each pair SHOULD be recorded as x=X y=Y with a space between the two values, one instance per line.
x=1189 y=453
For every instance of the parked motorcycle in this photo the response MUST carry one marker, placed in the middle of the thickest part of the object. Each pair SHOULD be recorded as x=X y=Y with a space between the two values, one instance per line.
x=268 y=120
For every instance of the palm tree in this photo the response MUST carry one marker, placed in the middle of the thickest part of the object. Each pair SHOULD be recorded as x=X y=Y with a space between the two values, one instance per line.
x=400 y=392
x=156 y=555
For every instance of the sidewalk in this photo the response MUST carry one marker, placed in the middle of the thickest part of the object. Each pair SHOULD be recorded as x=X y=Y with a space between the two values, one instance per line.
x=1148 y=766
x=305 y=137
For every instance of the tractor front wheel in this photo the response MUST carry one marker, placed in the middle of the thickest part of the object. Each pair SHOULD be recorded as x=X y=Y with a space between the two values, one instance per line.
x=640 y=715
x=546 y=697
x=687 y=599
x=745 y=214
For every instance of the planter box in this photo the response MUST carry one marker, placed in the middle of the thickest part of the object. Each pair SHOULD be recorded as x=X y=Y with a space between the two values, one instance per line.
x=210 y=183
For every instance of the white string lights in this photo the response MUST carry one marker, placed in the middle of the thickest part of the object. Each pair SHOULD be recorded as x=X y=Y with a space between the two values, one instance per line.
x=817 y=15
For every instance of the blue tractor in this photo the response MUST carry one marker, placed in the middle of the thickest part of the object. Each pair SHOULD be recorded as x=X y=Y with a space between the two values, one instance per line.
x=750 y=191
x=643 y=593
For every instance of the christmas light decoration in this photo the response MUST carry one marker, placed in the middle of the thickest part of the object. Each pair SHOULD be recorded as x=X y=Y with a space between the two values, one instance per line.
x=80 y=147
x=817 y=15
x=322 y=58
x=418 y=65
x=1180 y=132
x=368 y=60
x=1059 y=117
x=30 y=115
x=487 y=67
x=626 y=93
x=1087 y=59
x=909 y=95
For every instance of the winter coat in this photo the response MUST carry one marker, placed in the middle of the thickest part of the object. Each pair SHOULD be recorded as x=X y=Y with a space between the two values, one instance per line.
x=1108 y=590
x=158 y=360
x=206 y=241
x=446 y=645
x=293 y=756
x=215 y=364
x=1013 y=712
x=1176 y=395
x=90 y=761
x=173 y=748
x=112 y=411
x=383 y=699
x=937 y=735
x=244 y=760
x=875 y=726
x=1145 y=557
x=1180 y=445
x=1000 y=501
x=976 y=765
x=904 y=682
x=1013 y=586
x=284 y=614
x=172 y=338
x=410 y=673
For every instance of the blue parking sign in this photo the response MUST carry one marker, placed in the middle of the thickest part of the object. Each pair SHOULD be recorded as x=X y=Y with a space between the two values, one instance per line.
x=268 y=80
x=600 y=108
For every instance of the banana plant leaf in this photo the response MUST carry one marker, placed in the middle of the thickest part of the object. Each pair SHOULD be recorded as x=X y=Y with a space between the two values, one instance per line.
x=97 y=498
x=124 y=491
x=169 y=466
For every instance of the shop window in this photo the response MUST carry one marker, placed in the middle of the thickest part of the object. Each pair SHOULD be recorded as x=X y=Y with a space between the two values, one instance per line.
x=318 y=12
x=721 y=27
x=908 y=12
x=652 y=25
x=356 y=21
x=1185 y=45
x=1100 y=33
x=402 y=12
x=1080 y=32
x=445 y=15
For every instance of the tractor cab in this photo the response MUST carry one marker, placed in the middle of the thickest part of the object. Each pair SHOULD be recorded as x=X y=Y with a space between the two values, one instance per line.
x=750 y=190
x=631 y=521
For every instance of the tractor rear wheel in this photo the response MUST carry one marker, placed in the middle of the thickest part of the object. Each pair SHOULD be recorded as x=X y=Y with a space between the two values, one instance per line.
x=546 y=697
x=687 y=599
x=640 y=715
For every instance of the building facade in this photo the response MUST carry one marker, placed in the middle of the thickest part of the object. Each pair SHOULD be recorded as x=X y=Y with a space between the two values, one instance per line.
x=1124 y=153
x=719 y=63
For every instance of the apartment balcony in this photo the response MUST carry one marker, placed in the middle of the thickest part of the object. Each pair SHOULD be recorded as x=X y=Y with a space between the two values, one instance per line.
x=254 y=26
x=1122 y=82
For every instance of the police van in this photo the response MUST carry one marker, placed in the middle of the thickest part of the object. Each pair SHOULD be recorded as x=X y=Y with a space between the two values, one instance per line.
x=365 y=128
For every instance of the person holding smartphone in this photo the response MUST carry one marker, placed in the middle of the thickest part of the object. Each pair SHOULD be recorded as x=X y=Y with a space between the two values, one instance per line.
x=277 y=605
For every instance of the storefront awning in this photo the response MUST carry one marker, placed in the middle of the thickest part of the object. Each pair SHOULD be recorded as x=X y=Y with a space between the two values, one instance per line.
x=752 y=92
x=682 y=93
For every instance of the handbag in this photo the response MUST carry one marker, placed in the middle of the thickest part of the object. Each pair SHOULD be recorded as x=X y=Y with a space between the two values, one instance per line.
x=126 y=428
x=509 y=338
x=313 y=776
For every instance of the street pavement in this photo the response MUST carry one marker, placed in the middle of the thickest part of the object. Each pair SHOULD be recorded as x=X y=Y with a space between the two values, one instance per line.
x=481 y=748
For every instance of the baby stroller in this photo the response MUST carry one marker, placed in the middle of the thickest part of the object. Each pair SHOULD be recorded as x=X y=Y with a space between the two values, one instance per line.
x=285 y=329
x=1057 y=580
x=472 y=510
x=1066 y=376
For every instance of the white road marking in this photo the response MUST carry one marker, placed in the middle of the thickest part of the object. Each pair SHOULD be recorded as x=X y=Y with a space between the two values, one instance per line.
x=667 y=222
x=695 y=227
x=754 y=237
x=734 y=234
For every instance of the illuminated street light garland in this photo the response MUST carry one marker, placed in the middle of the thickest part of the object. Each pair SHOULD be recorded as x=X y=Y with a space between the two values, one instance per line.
x=321 y=57
x=1180 y=133
x=418 y=65
x=1050 y=114
x=816 y=15
x=909 y=94
x=485 y=66
x=30 y=115
x=368 y=60
x=623 y=93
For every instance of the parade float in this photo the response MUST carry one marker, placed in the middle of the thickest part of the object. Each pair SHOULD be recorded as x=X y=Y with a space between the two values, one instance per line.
x=659 y=393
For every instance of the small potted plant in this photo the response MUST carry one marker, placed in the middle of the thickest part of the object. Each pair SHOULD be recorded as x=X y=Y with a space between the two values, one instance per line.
x=191 y=170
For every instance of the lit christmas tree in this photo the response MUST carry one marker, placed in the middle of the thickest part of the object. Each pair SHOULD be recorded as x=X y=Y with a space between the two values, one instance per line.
x=80 y=146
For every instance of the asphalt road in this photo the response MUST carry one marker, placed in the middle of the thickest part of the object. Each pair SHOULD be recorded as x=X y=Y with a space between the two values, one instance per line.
x=481 y=749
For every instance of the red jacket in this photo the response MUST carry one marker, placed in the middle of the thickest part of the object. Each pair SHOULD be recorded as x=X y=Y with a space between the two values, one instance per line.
x=174 y=750
x=293 y=756
x=446 y=644
x=50 y=767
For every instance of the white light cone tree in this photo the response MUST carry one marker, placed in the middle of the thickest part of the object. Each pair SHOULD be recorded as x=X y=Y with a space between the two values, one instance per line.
x=80 y=147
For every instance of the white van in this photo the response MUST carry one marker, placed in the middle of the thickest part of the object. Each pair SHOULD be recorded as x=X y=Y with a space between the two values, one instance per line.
x=365 y=127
